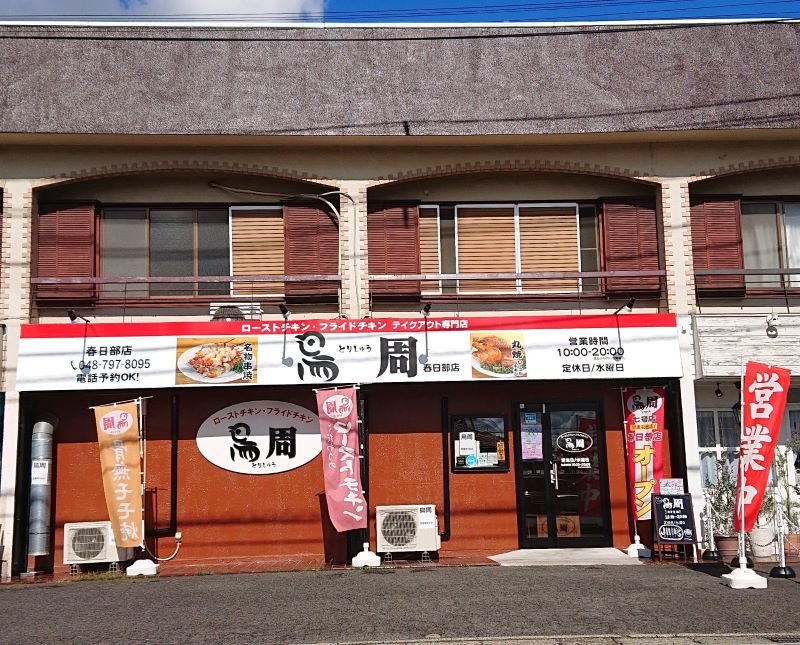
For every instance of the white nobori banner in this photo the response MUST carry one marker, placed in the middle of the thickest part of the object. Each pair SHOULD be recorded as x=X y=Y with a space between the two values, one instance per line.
x=318 y=352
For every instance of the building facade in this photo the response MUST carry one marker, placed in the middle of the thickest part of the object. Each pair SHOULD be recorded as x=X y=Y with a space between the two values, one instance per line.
x=524 y=183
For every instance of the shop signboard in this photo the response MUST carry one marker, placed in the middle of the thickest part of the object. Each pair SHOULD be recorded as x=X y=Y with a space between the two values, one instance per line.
x=338 y=425
x=260 y=437
x=103 y=356
x=764 y=391
x=120 y=463
x=644 y=435
x=674 y=519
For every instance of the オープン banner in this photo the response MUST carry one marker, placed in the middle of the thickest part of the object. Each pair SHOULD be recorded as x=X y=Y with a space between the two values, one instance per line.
x=338 y=425
x=120 y=463
x=764 y=392
x=644 y=437
x=103 y=356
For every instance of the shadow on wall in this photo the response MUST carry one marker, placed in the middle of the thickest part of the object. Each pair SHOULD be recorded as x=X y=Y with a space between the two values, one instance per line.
x=335 y=543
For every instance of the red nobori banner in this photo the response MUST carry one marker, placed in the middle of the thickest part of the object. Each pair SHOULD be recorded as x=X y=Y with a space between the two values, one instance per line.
x=644 y=436
x=764 y=390
x=120 y=462
x=338 y=424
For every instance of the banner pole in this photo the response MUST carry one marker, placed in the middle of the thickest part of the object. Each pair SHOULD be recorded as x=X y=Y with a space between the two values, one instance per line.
x=143 y=457
x=742 y=478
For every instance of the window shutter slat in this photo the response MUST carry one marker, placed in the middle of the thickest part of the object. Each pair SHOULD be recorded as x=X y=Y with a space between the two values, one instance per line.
x=630 y=239
x=393 y=246
x=257 y=248
x=717 y=242
x=486 y=245
x=429 y=247
x=548 y=240
x=65 y=249
x=312 y=246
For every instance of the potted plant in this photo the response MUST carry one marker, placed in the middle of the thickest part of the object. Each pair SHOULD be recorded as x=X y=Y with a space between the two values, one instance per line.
x=763 y=534
x=721 y=492
x=787 y=497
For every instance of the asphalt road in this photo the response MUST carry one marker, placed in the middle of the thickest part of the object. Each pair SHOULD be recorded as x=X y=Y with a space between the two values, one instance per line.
x=395 y=604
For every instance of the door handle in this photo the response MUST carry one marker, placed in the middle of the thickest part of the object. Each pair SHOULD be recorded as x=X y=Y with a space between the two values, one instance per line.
x=554 y=474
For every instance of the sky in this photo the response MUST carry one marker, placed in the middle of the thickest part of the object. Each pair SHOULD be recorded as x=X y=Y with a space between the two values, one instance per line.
x=331 y=11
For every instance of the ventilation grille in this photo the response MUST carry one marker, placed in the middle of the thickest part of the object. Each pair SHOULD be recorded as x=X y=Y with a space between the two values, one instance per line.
x=88 y=543
x=399 y=528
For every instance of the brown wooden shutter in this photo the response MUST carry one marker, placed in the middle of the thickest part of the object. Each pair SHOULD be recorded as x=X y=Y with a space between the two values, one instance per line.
x=548 y=241
x=312 y=246
x=717 y=241
x=393 y=247
x=257 y=248
x=429 y=247
x=486 y=244
x=66 y=250
x=630 y=243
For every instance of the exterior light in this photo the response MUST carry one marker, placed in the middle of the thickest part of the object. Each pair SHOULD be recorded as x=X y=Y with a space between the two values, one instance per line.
x=718 y=392
x=628 y=306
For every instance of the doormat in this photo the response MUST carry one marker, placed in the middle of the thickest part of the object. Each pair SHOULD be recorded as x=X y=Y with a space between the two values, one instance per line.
x=563 y=557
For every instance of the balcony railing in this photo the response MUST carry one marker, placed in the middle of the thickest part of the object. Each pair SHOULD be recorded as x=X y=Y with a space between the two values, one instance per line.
x=559 y=286
x=755 y=286
x=186 y=290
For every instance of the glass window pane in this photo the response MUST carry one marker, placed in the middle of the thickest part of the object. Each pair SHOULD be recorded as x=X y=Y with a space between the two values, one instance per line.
x=172 y=249
x=705 y=430
x=732 y=458
x=708 y=468
x=123 y=250
x=447 y=245
x=792 y=239
x=213 y=249
x=760 y=243
x=589 y=247
x=729 y=429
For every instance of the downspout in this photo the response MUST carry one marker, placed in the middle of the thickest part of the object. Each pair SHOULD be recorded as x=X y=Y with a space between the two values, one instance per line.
x=171 y=530
x=41 y=486
x=445 y=535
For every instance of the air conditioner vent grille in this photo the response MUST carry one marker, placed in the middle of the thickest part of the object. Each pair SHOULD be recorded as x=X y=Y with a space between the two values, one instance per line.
x=88 y=543
x=400 y=528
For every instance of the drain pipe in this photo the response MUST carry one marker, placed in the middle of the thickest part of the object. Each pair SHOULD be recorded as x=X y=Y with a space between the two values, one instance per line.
x=41 y=478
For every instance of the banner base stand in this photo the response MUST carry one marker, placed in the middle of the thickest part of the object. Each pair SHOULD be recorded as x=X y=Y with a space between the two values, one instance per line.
x=782 y=572
x=744 y=579
x=366 y=558
x=638 y=550
x=712 y=555
x=142 y=568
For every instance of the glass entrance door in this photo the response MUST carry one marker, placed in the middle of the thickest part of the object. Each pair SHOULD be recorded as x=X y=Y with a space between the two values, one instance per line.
x=562 y=490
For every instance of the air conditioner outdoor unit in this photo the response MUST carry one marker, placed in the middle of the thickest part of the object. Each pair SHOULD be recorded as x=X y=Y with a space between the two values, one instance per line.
x=411 y=527
x=91 y=542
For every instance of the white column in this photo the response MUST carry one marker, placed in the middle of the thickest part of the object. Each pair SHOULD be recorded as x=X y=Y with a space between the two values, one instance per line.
x=16 y=268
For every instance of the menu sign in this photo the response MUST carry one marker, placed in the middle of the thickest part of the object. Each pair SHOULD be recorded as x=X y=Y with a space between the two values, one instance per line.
x=674 y=519
x=101 y=356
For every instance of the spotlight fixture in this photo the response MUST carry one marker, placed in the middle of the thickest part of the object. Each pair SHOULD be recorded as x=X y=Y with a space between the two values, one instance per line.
x=73 y=317
x=628 y=306
x=718 y=392
x=425 y=311
x=285 y=360
x=772 y=325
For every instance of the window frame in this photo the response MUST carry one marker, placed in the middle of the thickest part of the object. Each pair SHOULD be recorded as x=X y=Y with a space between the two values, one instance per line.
x=718 y=450
x=780 y=239
x=516 y=206
x=253 y=209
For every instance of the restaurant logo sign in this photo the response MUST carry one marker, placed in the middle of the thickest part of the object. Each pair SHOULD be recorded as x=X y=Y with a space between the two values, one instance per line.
x=260 y=437
x=574 y=441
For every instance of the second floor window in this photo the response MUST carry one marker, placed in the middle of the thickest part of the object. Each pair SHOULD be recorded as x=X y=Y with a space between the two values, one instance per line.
x=516 y=238
x=159 y=242
x=610 y=235
x=186 y=244
x=771 y=240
